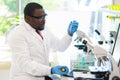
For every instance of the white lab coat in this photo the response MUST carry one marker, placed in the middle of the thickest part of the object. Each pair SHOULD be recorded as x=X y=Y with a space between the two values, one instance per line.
x=30 y=54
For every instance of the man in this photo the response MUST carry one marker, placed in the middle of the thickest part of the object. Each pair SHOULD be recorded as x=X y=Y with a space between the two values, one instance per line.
x=30 y=44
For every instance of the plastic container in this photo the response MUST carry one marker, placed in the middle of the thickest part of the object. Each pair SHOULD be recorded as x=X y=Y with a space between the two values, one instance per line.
x=82 y=61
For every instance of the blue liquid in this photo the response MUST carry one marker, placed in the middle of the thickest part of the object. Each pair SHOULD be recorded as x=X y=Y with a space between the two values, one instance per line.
x=83 y=63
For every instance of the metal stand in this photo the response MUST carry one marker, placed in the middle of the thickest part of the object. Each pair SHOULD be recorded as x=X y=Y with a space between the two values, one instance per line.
x=115 y=39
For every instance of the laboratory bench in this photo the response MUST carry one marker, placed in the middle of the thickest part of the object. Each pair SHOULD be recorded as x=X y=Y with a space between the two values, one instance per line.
x=67 y=78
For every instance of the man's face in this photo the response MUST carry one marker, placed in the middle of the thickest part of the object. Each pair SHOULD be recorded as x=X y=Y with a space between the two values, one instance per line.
x=37 y=20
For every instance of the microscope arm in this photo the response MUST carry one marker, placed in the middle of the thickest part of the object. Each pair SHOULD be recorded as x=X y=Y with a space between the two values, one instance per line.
x=81 y=34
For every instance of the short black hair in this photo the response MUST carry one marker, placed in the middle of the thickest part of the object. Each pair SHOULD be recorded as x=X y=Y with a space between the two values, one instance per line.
x=30 y=7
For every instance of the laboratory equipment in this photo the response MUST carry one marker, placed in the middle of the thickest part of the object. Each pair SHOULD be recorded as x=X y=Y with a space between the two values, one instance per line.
x=83 y=58
x=109 y=41
x=105 y=65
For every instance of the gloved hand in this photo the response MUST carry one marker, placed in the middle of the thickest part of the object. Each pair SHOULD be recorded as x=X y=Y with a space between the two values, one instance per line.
x=61 y=70
x=73 y=26
x=70 y=74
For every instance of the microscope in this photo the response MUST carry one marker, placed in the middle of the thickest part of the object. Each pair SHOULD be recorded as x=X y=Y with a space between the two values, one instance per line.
x=105 y=67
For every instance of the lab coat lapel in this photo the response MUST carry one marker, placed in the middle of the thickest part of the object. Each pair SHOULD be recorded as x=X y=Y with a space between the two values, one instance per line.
x=35 y=35
x=31 y=31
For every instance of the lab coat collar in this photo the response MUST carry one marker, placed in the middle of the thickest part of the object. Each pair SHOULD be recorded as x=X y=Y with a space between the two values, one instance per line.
x=31 y=30
x=27 y=26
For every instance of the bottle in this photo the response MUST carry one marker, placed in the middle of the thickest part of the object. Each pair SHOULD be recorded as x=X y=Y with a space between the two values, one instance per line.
x=83 y=63
x=83 y=60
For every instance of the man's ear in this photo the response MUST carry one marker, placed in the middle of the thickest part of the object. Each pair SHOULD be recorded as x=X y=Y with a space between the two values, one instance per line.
x=28 y=18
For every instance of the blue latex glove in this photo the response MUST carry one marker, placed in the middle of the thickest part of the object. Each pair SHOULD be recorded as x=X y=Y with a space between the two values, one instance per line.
x=61 y=70
x=70 y=74
x=73 y=26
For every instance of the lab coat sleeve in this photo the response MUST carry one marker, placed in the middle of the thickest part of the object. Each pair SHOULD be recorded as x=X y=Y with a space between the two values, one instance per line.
x=21 y=56
x=60 y=44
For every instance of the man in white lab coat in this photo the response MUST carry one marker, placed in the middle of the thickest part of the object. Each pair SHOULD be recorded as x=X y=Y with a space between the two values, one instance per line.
x=30 y=44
